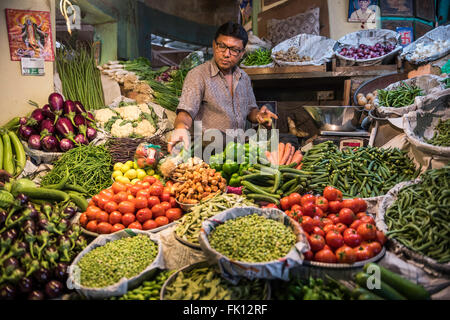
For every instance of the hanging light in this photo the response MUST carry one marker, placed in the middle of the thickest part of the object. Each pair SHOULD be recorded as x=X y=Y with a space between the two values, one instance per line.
x=63 y=5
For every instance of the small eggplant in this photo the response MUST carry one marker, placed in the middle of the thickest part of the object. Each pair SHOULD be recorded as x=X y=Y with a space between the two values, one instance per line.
x=3 y=216
x=47 y=128
x=66 y=145
x=91 y=133
x=36 y=295
x=54 y=289
x=79 y=109
x=50 y=144
x=65 y=128
x=23 y=120
x=25 y=285
x=8 y=292
x=81 y=139
x=25 y=132
x=70 y=110
x=34 y=142
x=69 y=212
x=56 y=103
x=60 y=271
x=48 y=113
x=35 y=118
x=10 y=265
x=23 y=199
x=42 y=275
x=80 y=123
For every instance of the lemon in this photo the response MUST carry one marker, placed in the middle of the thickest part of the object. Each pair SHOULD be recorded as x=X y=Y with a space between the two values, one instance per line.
x=118 y=166
x=134 y=181
x=135 y=165
x=141 y=173
x=117 y=173
x=122 y=179
x=157 y=176
x=129 y=163
x=125 y=168
x=131 y=174
x=150 y=172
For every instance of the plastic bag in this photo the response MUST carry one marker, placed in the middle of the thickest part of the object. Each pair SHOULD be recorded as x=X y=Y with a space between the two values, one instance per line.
x=192 y=60
x=147 y=155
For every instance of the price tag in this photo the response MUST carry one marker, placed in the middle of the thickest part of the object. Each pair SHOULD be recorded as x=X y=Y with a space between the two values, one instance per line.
x=32 y=66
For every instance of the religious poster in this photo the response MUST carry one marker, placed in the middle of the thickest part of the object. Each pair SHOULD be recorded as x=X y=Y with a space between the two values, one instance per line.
x=29 y=34
x=362 y=11
x=245 y=9
x=406 y=35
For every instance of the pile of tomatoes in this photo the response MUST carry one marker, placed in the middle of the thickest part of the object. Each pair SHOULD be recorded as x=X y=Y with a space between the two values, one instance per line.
x=338 y=230
x=145 y=205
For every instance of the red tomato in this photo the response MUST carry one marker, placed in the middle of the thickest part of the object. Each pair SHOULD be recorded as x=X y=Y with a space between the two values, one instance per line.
x=91 y=203
x=92 y=226
x=143 y=215
x=381 y=238
x=306 y=223
x=316 y=242
x=368 y=219
x=156 y=189
x=309 y=255
x=91 y=212
x=330 y=193
x=134 y=190
x=102 y=216
x=326 y=221
x=362 y=204
x=173 y=214
x=318 y=222
x=161 y=221
x=121 y=196
x=374 y=246
x=325 y=255
x=296 y=207
x=165 y=205
x=117 y=227
x=102 y=201
x=104 y=227
x=169 y=184
x=127 y=207
x=341 y=227
x=135 y=225
x=356 y=224
x=111 y=206
x=318 y=212
x=351 y=204
x=131 y=198
x=339 y=195
x=307 y=198
x=107 y=193
x=165 y=197
x=117 y=187
x=345 y=254
x=329 y=227
x=269 y=205
x=83 y=219
x=322 y=203
x=150 y=179
x=319 y=231
x=167 y=190
x=294 y=198
x=128 y=218
x=334 y=239
x=363 y=253
x=309 y=209
x=359 y=215
x=352 y=238
x=95 y=199
x=284 y=203
x=158 y=210
x=334 y=206
x=143 y=193
x=173 y=202
x=140 y=202
x=115 y=217
x=334 y=218
x=153 y=200
x=346 y=216
x=367 y=231
x=149 y=224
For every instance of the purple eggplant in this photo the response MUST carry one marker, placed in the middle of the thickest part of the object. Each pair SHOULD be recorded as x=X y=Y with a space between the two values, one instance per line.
x=66 y=145
x=90 y=117
x=3 y=216
x=65 y=128
x=50 y=144
x=60 y=271
x=91 y=133
x=23 y=120
x=54 y=289
x=81 y=139
x=36 y=295
x=34 y=141
x=25 y=285
x=8 y=292
x=35 y=118
x=69 y=212
x=10 y=264
x=48 y=113
x=56 y=102
x=47 y=128
x=80 y=123
x=70 y=110
x=79 y=109
x=23 y=198
x=42 y=275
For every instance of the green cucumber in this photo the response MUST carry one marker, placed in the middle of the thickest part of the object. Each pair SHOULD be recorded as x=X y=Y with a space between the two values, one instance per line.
x=74 y=187
x=262 y=197
x=43 y=193
x=407 y=288
x=79 y=200
x=360 y=293
x=277 y=183
x=8 y=161
x=256 y=189
x=19 y=151
x=385 y=291
x=1 y=154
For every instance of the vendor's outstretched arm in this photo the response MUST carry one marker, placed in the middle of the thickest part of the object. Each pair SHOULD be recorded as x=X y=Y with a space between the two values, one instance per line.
x=262 y=116
x=183 y=123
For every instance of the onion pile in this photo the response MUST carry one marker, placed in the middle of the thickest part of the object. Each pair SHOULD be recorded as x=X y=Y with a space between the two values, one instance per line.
x=366 y=52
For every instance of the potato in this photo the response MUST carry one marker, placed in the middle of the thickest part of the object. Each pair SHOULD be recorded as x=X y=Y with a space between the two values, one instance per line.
x=362 y=101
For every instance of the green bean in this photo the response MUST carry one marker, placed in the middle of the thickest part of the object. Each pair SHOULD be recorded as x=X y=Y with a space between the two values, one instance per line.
x=441 y=136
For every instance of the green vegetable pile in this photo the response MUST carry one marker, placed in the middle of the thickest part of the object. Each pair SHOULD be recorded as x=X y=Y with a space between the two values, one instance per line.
x=442 y=134
x=148 y=290
x=189 y=226
x=364 y=171
x=126 y=257
x=400 y=97
x=252 y=238
x=420 y=217
x=259 y=57
x=207 y=284
x=86 y=166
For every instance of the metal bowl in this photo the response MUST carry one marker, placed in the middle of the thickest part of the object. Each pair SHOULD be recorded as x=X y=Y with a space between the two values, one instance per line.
x=335 y=118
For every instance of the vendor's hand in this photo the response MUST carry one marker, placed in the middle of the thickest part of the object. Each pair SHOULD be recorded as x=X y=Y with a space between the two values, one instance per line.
x=177 y=136
x=265 y=116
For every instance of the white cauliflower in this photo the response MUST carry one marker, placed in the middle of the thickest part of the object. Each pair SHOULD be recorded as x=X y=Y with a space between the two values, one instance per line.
x=103 y=115
x=144 y=108
x=144 y=128
x=131 y=113
x=121 y=131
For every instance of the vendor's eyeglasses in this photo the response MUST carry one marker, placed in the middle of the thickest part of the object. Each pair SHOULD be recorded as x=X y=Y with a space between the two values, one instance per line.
x=233 y=51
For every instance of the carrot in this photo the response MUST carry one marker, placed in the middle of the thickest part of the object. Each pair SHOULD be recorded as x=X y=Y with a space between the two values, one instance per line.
x=299 y=166
x=281 y=148
x=291 y=155
x=297 y=156
x=275 y=157
x=287 y=152
x=269 y=156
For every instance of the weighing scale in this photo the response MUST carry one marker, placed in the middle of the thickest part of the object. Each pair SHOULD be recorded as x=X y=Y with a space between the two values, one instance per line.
x=352 y=139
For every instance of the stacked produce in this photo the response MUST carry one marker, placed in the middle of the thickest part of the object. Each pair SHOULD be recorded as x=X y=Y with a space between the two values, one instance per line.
x=291 y=55
x=419 y=217
x=338 y=231
x=207 y=284
x=364 y=171
x=367 y=100
x=252 y=238
x=148 y=290
x=129 y=172
x=88 y=167
x=12 y=153
x=108 y=264
x=128 y=120
x=58 y=126
x=423 y=50
x=145 y=205
x=402 y=96
x=363 y=51
x=38 y=242
x=258 y=57
x=286 y=155
x=441 y=135
x=189 y=226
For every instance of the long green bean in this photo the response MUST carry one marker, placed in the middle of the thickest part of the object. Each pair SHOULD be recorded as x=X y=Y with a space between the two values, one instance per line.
x=442 y=134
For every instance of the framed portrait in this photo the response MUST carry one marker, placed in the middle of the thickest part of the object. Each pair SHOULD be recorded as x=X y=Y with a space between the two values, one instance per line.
x=29 y=34
x=397 y=8
x=362 y=11
x=425 y=9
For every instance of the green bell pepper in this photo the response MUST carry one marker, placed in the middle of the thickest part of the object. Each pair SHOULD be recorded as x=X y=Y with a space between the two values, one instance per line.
x=235 y=180
x=242 y=167
x=215 y=162
x=230 y=167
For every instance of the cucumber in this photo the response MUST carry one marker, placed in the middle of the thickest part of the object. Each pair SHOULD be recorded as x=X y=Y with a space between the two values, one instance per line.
x=256 y=189
x=19 y=151
x=407 y=288
x=286 y=186
x=277 y=183
x=44 y=193
x=8 y=161
x=13 y=123
x=385 y=291
x=74 y=187
x=79 y=200
x=262 y=197
x=1 y=154
x=360 y=293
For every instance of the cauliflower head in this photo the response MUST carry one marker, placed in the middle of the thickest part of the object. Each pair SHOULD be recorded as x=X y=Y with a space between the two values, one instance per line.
x=131 y=113
x=144 y=128
x=121 y=131
x=103 y=115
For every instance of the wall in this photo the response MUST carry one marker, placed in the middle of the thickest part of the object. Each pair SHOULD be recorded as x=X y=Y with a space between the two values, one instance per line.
x=107 y=32
x=17 y=89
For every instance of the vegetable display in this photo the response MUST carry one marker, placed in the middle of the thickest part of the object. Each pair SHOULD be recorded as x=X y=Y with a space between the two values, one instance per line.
x=338 y=230
x=129 y=172
x=285 y=155
x=207 y=284
x=86 y=166
x=423 y=50
x=145 y=205
x=441 y=135
x=419 y=217
x=258 y=57
x=189 y=226
x=252 y=238
x=363 y=51
x=291 y=55
x=402 y=96
x=126 y=257
x=12 y=153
